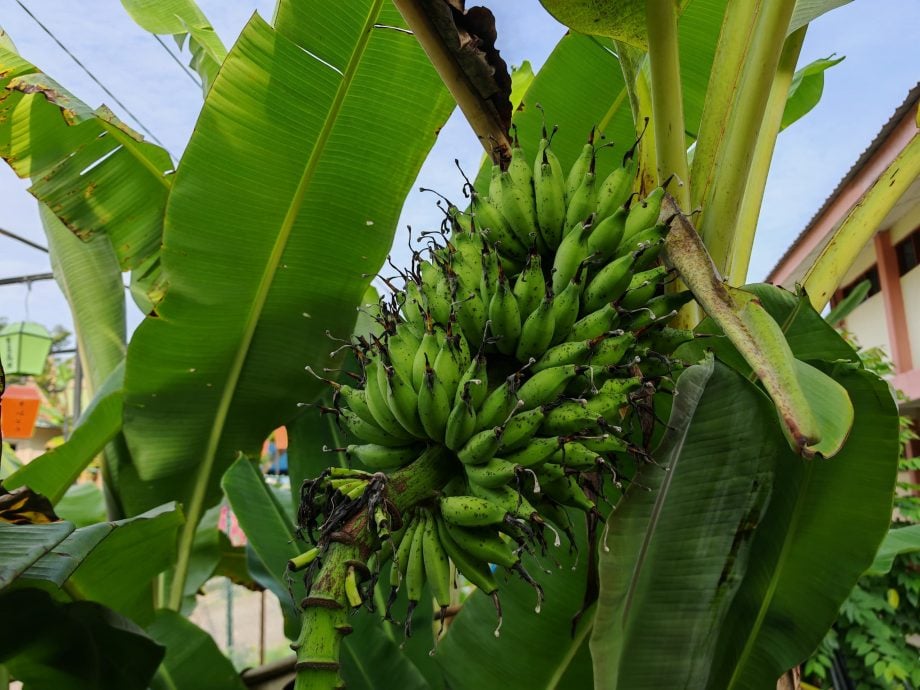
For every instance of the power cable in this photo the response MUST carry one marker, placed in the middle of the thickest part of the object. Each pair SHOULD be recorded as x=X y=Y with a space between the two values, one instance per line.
x=90 y=74
x=178 y=61
x=19 y=238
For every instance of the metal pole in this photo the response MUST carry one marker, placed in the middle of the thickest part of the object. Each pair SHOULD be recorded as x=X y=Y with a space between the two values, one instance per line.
x=25 y=241
x=77 y=391
x=17 y=280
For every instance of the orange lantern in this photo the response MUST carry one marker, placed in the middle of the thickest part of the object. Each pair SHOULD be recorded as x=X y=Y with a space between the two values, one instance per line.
x=19 y=410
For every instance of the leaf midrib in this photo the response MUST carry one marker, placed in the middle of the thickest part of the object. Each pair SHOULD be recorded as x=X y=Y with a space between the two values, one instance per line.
x=196 y=504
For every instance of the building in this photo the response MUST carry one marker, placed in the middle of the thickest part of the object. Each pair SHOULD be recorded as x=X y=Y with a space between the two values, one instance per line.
x=889 y=318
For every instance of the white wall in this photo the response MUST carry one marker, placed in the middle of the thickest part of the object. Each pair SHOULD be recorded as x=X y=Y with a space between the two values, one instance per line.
x=910 y=287
x=867 y=323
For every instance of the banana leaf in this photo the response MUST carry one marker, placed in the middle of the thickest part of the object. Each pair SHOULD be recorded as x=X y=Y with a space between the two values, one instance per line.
x=93 y=171
x=183 y=19
x=286 y=200
x=899 y=540
x=192 y=659
x=73 y=646
x=112 y=563
x=680 y=539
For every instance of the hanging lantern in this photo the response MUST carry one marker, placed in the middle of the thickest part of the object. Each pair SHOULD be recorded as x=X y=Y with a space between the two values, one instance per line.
x=24 y=347
x=19 y=411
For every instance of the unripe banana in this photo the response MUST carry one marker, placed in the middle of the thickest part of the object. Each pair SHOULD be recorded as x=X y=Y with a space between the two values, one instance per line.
x=461 y=424
x=579 y=168
x=536 y=331
x=536 y=452
x=447 y=367
x=377 y=457
x=472 y=316
x=607 y=234
x=665 y=340
x=647 y=243
x=413 y=305
x=530 y=288
x=511 y=501
x=611 y=350
x=436 y=291
x=356 y=399
x=644 y=214
x=521 y=429
x=377 y=402
x=605 y=443
x=549 y=192
x=401 y=399
x=658 y=310
x=490 y=275
x=518 y=209
x=583 y=202
x=609 y=284
x=499 y=404
x=415 y=571
x=576 y=456
x=474 y=384
x=567 y=492
x=505 y=317
x=546 y=385
x=519 y=169
x=437 y=567
x=596 y=323
x=494 y=226
x=481 y=447
x=565 y=353
x=569 y=256
x=472 y=568
x=369 y=432
x=615 y=190
x=642 y=287
x=495 y=473
x=401 y=348
x=425 y=354
x=565 y=309
x=470 y=511
x=434 y=405
x=483 y=544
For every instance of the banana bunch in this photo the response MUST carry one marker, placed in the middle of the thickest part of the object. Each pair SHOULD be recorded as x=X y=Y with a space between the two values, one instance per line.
x=514 y=355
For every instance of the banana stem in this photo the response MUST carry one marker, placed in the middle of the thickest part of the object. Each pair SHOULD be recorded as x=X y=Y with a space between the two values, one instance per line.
x=743 y=240
x=326 y=608
x=667 y=100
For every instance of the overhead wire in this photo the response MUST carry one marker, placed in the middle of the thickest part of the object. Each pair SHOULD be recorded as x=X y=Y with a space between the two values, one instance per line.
x=89 y=73
x=179 y=62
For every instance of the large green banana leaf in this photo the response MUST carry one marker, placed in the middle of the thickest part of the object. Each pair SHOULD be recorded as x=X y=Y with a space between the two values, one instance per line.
x=89 y=168
x=88 y=275
x=72 y=645
x=820 y=533
x=680 y=539
x=193 y=659
x=182 y=19
x=284 y=204
x=112 y=563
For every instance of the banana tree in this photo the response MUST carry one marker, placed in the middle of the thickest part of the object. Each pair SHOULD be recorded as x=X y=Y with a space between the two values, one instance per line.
x=515 y=383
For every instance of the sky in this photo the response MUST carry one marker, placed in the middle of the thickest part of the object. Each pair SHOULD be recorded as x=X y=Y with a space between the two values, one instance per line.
x=882 y=64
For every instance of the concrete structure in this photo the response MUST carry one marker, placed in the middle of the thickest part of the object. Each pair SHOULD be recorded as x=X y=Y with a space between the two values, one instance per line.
x=890 y=316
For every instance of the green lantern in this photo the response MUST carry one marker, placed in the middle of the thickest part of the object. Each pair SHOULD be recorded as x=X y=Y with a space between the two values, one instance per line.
x=24 y=347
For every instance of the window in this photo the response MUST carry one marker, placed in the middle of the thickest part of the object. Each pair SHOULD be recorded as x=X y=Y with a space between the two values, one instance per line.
x=908 y=252
x=871 y=275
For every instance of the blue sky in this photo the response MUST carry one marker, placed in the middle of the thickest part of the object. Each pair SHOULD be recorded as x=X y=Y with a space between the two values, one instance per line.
x=882 y=63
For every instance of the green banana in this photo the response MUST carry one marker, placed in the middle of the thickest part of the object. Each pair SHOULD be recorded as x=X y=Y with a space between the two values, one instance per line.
x=481 y=446
x=642 y=287
x=607 y=234
x=609 y=283
x=565 y=309
x=596 y=323
x=576 y=352
x=569 y=256
x=611 y=349
x=470 y=511
x=434 y=405
x=549 y=193
x=530 y=288
x=546 y=385
x=615 y=190
x=401 y=399
x=516 y=205
x=521 y=428
x=473 y=569
x=367 y=431
x=496 y=472
x=583 y=202
x=536 y=452
x=505 y=317
x=461 y=424
x=377 y=457
x=644 y=214
x=579 y=169
x=437 y=567
x=415 y=572
x=536 y=331
x=377 y=402
x=499 y=405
